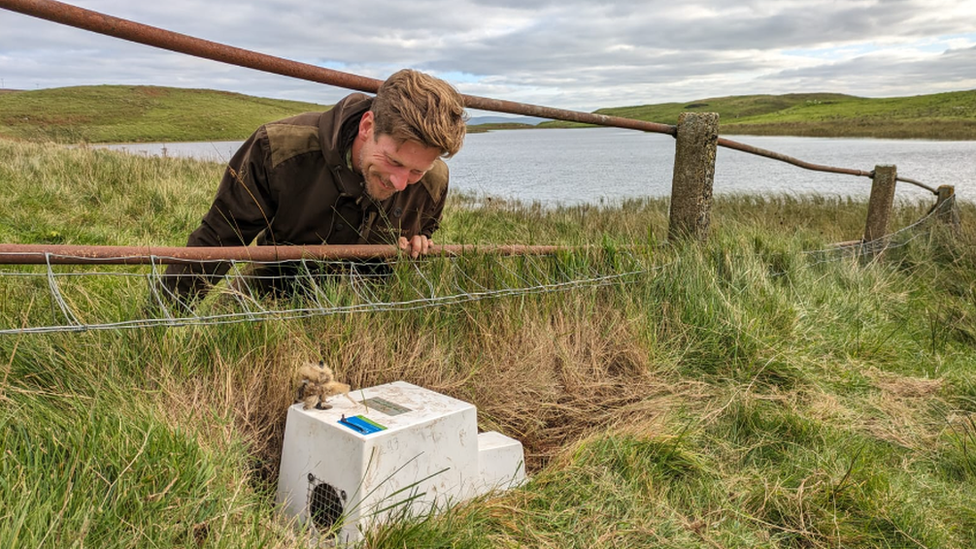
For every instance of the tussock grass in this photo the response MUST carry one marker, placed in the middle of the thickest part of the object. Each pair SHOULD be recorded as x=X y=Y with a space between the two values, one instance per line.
x=743 y=393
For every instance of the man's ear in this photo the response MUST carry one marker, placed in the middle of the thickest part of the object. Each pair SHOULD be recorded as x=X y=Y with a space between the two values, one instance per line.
x=367 y=125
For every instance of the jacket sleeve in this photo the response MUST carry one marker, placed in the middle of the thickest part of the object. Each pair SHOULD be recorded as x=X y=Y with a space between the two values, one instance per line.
x=436 y=183
x=431 y=220
x=244 y=206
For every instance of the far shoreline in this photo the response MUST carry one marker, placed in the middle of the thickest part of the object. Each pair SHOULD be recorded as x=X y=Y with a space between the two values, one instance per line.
x=737 y=130
x=146 y=114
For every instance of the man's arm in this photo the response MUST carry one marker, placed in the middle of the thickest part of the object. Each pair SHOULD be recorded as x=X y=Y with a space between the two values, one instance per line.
x=244 y=205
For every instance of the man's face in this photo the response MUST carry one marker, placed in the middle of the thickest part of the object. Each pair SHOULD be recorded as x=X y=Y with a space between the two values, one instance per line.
x=388 y=166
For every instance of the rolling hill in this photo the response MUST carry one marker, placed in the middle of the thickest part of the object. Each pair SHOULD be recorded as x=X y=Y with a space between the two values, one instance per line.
x=101 y=114
x=949 y=115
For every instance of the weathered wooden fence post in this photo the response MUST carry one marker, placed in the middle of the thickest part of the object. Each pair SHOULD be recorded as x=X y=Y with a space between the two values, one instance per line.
x=879 y=205
x=946 y=209
x=694 y=175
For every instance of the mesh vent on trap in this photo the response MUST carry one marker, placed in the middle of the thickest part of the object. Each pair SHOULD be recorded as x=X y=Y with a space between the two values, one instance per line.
x=325 y=505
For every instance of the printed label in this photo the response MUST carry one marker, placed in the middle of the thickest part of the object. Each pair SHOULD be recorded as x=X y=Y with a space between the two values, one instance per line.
x=384 y=406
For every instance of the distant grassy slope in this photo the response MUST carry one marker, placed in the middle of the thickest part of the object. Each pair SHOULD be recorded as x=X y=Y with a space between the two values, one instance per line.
x=99 y=114
x=937 y=116
x=482 y=128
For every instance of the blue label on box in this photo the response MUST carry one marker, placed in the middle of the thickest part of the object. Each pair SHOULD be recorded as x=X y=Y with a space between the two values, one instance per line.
x=361 y=425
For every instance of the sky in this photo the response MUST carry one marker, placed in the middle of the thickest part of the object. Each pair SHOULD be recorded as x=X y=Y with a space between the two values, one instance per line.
x=572 y=54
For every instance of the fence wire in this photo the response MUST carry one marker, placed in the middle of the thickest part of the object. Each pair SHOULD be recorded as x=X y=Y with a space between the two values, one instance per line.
x=61 y=298
x=136 y=297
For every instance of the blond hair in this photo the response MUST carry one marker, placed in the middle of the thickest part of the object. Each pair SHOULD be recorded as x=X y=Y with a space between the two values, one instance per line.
x=411 y=105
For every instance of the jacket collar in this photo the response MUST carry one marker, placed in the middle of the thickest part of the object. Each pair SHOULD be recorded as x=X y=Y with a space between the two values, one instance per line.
x=349 y=109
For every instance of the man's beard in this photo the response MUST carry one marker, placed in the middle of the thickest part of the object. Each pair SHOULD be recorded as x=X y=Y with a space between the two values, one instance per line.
x=375 y=186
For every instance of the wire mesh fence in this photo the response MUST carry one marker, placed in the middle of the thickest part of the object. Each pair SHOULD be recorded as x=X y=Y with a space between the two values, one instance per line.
x=74 y=298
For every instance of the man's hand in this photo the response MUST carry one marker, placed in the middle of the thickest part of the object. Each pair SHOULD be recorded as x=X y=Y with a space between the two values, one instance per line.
x=416 y=246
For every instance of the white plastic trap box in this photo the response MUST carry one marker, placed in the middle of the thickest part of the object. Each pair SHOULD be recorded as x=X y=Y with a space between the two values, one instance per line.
x=401 y=450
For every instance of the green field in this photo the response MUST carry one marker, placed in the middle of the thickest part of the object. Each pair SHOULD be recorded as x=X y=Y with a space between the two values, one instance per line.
x=101 y=114
x=760 y=390
x=128 y=114
x=937 y=116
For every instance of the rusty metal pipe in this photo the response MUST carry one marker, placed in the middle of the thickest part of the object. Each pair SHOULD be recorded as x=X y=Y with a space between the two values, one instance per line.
x=728 y=143
x=101 y=23
x=60 y=12
x=32 y=254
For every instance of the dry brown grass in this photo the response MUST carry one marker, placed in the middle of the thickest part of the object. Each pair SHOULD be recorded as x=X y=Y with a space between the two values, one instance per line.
x=549 y=380
x=554 y=380
x=907 y=411
x=245 y=398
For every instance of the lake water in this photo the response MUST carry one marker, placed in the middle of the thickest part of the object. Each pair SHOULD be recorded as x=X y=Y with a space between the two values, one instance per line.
x=605 y=165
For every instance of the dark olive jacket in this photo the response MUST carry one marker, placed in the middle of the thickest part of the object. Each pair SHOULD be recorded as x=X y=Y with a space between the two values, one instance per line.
x=290 y=184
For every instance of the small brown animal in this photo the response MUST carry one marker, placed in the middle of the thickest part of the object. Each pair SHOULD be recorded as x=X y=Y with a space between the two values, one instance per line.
x=318 y=384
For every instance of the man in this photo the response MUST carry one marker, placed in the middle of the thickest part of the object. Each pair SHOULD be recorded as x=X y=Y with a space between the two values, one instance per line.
x=368 y=171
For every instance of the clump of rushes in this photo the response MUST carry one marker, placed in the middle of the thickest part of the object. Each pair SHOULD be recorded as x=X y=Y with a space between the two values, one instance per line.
x=741 y=393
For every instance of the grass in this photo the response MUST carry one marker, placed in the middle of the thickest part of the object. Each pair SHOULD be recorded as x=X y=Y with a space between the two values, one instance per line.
x=493 y=126
x=101 y=114
x=741 y=393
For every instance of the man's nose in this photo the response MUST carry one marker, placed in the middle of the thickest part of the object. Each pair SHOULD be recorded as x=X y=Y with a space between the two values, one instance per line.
x=400 y=179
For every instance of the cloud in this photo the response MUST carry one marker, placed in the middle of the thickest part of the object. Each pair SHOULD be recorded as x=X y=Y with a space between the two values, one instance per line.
x=571 y=54
x=888 y=73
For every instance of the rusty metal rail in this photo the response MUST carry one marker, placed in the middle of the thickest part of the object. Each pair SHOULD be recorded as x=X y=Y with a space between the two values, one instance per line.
x=31 y=254
x=728 y=143
x=66 y=14
x=60 y=12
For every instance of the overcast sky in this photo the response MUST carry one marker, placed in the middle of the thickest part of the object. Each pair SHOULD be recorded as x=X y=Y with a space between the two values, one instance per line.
x=575 y=54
